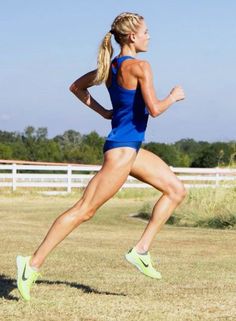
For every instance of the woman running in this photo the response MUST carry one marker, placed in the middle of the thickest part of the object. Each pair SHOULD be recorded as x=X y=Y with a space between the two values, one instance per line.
x=130 y=85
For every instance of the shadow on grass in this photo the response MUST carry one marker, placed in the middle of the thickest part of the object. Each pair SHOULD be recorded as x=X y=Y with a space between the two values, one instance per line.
x=8 y=284
x=83 y=287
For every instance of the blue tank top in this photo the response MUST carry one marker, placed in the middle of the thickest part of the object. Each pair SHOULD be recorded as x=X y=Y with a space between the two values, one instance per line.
x=130 y=116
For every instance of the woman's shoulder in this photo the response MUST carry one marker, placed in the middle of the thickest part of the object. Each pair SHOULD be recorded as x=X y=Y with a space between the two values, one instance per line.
x=140 y=66
x=142 y=63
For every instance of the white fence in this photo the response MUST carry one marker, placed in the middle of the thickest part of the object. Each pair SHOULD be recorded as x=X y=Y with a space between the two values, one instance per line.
x=15 y=174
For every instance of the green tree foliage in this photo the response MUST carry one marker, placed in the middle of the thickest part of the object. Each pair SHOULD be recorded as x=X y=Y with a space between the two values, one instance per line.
x=217 y=154
x=85 y=149
x=48 y=151
x=69 y=138
x=42 y=134
x=169 y=153
x=5 y=151
x=7 y=137
x=19 y=150
x=189 y=148
x=33 y=144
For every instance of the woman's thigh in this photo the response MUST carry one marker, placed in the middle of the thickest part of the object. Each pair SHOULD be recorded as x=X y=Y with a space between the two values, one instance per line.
x=114 y=172
x=151 y=169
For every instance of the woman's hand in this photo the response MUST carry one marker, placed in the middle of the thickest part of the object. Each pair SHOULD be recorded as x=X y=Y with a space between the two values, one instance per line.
x=177 y=93
x=108 y=114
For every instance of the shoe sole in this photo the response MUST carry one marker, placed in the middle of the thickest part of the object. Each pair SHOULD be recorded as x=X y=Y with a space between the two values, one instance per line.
x=130 y=260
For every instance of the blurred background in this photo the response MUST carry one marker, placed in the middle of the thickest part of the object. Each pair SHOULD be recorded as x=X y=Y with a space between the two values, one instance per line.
x=46 y=45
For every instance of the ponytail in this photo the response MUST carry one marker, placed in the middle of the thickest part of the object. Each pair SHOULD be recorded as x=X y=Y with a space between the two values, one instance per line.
x=123 y=24
x=105 y=53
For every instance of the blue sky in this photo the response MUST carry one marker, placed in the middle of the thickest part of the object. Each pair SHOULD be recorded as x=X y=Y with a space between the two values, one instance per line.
x=46 y=45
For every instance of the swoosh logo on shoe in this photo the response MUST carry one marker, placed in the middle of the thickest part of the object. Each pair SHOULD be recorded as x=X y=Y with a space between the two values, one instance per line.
x=146 y=265
x=23 y=276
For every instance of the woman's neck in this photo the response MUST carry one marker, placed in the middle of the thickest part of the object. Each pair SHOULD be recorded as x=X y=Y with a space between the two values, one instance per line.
x=127 y=51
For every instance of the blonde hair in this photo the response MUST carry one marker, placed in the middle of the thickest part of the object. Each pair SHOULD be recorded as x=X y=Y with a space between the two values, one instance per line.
x=123 y=24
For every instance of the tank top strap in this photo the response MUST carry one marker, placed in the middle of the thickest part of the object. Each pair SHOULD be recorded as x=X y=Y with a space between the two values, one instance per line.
x=117 y=61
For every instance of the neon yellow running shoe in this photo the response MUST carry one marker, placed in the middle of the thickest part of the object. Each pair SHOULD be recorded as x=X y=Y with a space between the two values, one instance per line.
x=26 y=276
x=143 y=263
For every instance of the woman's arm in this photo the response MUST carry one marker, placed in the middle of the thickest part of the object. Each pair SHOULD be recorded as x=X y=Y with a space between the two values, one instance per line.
x=154 y=105
x=80 y=89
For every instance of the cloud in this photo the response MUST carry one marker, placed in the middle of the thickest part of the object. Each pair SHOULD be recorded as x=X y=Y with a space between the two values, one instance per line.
x=5 y=117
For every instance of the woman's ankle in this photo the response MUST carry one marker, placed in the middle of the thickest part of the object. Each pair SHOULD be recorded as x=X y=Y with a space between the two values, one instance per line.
x=141 y=249
x=34 y=264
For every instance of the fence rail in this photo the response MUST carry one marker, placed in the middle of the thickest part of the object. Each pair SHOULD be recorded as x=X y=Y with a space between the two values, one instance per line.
x=16 y=174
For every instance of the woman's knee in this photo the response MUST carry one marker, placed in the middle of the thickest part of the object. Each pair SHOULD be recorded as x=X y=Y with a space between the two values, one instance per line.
x=177 y=192
x=80 y=213
x=85 y=212
x=87 y=215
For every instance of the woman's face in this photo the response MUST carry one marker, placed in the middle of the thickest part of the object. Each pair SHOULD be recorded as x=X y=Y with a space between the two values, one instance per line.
x=141 y=38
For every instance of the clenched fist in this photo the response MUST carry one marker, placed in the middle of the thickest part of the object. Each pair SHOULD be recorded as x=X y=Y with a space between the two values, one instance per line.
x=177 y=93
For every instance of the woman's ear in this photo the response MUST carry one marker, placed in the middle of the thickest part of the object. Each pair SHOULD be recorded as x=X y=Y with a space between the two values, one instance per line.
x=132 y=36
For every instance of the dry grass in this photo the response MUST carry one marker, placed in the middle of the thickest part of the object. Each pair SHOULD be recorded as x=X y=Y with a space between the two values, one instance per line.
x=87 y=279
x=209 y=207
x=203 y=207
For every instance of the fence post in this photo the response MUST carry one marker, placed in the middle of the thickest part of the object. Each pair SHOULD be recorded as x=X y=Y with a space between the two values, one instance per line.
x=14 y=173
x=69 y=178
x=217 y=177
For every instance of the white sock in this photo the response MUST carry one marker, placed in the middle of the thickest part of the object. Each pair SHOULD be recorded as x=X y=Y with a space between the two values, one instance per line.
x=34 y=268
x=145 y=253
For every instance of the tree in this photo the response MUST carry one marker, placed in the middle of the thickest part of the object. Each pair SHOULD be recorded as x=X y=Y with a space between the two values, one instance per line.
x=41 y=133
x=93 y=139
x=69 y=138
x=29 y=132
x=48 y=151
x=7 y=137
x=5 y=151
x=217 y=154
x=71 y=146
x=168 y=153
x=19 y=151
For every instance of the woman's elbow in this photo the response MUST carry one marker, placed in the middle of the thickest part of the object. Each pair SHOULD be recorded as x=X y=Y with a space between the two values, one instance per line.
x=154 y=112
x=72 y=88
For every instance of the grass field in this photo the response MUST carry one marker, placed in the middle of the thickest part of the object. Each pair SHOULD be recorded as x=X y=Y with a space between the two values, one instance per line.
x=87 y=279
x=203 y=207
